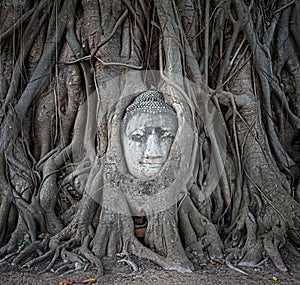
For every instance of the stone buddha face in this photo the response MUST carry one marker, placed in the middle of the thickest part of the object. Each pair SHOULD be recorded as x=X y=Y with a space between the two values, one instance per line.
x=149 y=128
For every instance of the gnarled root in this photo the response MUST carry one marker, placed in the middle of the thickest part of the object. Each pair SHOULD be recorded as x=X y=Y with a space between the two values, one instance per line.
x=162 y=236
x=198 y=233
x=88 y=254
x=265 y=234
x=272 y=242
x=114 y=232
x=142 y=251
x=34 y=248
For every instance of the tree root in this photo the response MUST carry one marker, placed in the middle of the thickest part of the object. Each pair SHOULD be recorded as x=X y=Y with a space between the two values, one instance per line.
x=34 y=247
x=141 y=251
x=71 y=260
x=131 y=263
x=271 y=244
x=253 y=245
x=87 y=253
x=228 y=261
x=115 y=233
x=77 y=266
x=198 y=233
x=16 y=242
x=63 y=267
x=38 y=259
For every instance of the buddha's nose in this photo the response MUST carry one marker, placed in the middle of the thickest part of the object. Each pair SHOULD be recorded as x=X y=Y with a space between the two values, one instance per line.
x=153 y=149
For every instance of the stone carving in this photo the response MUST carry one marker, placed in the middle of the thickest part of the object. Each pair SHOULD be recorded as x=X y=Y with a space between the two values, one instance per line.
x=147 y=164
x=148 y=130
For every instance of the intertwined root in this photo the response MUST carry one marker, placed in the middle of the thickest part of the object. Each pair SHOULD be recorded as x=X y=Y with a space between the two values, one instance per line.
x=198 y=233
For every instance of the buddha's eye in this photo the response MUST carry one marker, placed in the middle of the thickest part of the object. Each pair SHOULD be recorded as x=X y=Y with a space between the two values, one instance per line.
x=137 y=136
x=167 y=135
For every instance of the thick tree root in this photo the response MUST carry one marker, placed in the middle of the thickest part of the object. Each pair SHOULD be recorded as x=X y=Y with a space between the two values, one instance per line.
x=228 y=261
x=271 y=243
x=143 y=252
x=115 y=234
x=198 y=233
x=254 y=247
x=34 y=248
x=162 y=236
x=15 y=244
x=88 y=254
x=39 y=259
x=131 y=263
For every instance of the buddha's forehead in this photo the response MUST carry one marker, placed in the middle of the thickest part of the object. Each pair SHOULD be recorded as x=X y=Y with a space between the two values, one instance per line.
x=141 y=121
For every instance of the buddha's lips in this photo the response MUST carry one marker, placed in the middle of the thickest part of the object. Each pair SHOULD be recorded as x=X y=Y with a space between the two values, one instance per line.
x=151 y=164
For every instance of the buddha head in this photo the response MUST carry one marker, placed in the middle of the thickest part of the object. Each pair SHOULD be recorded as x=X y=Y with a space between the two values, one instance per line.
x=149 y=127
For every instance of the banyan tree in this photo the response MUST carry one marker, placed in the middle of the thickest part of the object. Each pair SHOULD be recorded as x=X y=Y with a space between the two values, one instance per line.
x=167 y=130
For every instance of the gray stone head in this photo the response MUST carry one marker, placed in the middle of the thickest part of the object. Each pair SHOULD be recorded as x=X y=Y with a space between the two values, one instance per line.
x=149 y=127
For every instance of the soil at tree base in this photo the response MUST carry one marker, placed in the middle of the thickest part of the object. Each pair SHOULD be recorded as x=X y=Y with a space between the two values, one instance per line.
x=149 y=273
